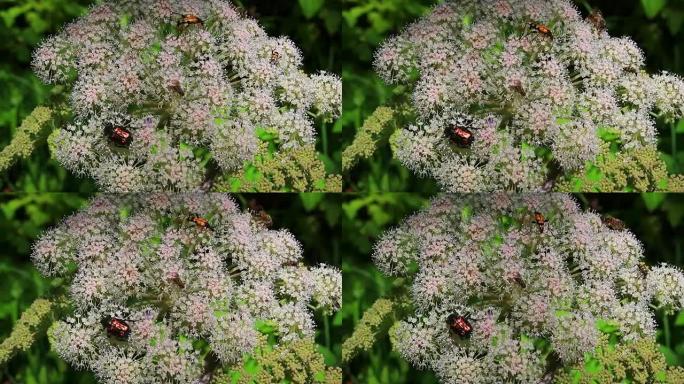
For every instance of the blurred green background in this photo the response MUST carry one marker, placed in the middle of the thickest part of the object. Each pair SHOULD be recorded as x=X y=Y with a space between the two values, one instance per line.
x=314 y=25
x=656 y=26
x=23 y=217
x=656 y=219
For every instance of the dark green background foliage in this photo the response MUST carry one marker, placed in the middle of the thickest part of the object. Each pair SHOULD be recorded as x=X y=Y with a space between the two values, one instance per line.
x=310 y=217
x=655 y=25
x=312 y=24
x=656 y=219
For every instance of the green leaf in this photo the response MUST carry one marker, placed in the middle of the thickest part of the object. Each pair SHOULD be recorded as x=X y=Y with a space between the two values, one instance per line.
x=606 y=326
x=670 y=356
x=675 y=212
x=653 y=7
x=608 y=134
x=310 y=7
x=310 y=200
x=680 y=126
x=680 y=319
x=265 y=327
x=653 y=200
x=674 y=21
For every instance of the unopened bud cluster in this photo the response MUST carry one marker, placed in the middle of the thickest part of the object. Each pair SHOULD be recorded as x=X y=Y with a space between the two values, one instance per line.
x=160 y=283
x=156 y=85
x=511 y=288
x=510 y=94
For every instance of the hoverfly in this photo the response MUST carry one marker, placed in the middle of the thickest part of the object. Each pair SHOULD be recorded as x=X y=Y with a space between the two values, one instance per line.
x=596 y=19
x=613 y=223
x=259 y=214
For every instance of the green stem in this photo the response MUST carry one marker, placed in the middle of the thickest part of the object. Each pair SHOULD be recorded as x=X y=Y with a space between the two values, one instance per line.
x=326 y=328
x=324 y=138
x=673 y=133
x=666 y=330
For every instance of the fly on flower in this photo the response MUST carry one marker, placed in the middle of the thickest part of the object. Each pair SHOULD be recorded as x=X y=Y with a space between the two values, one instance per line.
x=542 y=29
x=260 y=215
x=519 y=280
x=176 y=87
x=275 y=57
x=174 y=278
x=596 y=19
x=613 y=223
x=540 y=220
x=201 y=222
x=188 y=20
x=518 y=87
x=116 y=327
x=459 y=325
x=119 y=135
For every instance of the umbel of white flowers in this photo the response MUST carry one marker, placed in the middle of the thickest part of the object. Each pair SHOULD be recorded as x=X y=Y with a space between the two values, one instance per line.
x=508 y=91
x=151 y=276
x=495 y=278
x=154 y=84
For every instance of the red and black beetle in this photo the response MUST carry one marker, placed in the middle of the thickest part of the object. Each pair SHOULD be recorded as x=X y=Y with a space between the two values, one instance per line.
x=119 y=135
x=460 y=135
x=459 y=325
x=116 y=327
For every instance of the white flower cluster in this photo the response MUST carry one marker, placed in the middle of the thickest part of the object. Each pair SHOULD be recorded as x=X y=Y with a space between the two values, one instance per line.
x=154 y=277
x=156 y=84
x=508 y=91
x=498 y=280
